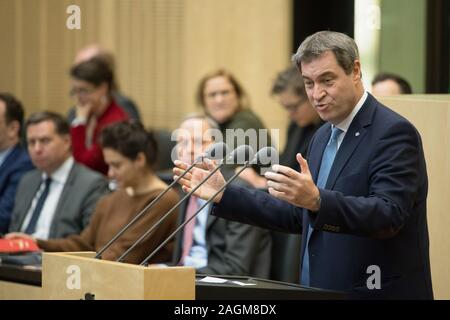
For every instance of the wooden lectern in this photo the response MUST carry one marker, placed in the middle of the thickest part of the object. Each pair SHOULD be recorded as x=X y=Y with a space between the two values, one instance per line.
x=77 y=275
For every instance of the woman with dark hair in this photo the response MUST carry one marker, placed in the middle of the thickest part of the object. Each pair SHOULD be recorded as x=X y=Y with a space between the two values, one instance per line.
x=226 y=102
x=92 y=84
x=130 y=152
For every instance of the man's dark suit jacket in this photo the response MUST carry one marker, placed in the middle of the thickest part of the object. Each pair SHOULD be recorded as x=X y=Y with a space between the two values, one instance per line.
x=373 y=209
x=233 y=248
x=15 y=165
x=76 y=204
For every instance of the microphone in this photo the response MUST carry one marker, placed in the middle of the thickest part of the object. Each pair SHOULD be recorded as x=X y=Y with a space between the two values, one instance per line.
x=239 y=152
x=215 y=152
x=260 y=157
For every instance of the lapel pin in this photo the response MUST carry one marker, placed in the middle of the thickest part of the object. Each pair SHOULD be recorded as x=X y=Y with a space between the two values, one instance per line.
x=357 y=134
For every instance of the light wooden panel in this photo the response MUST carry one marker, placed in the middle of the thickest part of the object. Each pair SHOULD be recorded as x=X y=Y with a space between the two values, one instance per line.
x=150 y=57
x=431 y=116
x=18 y=291
x=162 y=48
x=250 y=38
x=8 y=54
x=113 y=280
x=145 y=35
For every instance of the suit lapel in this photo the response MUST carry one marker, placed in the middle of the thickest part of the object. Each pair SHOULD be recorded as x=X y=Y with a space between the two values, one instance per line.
x=315 y=156
x=28 y=195
x=352 y=139
x=66 y=192
x=12 y=156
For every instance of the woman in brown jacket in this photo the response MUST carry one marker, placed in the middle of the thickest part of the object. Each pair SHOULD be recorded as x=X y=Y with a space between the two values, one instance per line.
x=130 y=151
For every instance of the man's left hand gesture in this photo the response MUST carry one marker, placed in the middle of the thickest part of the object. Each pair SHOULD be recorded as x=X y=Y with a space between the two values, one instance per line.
x=295 y=187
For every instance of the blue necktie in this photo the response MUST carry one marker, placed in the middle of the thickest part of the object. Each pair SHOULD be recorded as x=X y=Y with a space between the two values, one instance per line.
x=327 y=161
x=31 y=228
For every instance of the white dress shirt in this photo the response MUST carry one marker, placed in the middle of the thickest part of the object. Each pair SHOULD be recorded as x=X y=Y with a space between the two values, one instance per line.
x=59 y=178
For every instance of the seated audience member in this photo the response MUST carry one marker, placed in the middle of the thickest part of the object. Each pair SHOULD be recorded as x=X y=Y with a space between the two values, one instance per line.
x=96 y=108
x=58 y=197
x=388 y=84
x=130 y=152
x=214 y=245
x=14 y=159
x=290 y=93
x=360 y=202
x=122 y=101
x=226 y=102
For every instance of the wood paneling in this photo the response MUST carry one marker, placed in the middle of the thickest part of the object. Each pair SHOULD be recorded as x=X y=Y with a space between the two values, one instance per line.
x=431 y=116
x=250 y=38
x=162 y=49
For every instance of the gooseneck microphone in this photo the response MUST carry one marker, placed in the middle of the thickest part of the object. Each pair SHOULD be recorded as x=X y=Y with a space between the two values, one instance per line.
x=261 y=156
x=215 y=152
x=238 y=153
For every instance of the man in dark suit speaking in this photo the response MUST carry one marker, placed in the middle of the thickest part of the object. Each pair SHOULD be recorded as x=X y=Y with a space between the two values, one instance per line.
x=359 y=201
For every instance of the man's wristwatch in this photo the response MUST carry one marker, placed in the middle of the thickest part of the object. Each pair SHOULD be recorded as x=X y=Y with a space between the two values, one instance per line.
x=318 y=202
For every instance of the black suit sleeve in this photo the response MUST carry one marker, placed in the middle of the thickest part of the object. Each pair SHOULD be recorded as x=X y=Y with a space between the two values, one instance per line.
x=259 y=209
x=242 y=243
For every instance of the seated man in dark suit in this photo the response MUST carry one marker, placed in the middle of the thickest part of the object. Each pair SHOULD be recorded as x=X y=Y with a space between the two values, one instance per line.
x=359 y=201
x=58 y=198
x=14 y=160
x=210 y=244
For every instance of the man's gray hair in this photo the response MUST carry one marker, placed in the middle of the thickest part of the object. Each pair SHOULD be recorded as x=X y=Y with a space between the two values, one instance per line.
x=289 y=79
x=343 y=47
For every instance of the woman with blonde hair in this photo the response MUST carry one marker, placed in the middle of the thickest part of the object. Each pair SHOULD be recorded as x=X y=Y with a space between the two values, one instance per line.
x=225 y=100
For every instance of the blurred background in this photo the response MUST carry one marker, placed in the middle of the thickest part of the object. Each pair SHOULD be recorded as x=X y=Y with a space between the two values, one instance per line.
x=163 y=47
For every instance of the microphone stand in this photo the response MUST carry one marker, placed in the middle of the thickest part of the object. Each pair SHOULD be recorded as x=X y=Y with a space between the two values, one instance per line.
x=149 y=231
x=246 y=165
x=143 y=211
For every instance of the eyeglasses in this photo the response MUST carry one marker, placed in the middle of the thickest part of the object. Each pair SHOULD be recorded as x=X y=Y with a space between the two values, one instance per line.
x=224 y=93
x=80 y=92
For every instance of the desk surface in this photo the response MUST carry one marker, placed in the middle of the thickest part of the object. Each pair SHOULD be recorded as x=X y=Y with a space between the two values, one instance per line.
x=261 y=289
x=24 y=279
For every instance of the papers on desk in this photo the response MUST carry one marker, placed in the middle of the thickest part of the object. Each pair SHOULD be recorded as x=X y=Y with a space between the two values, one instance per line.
x=220 y=280
x=244 y=284
x=212 y=280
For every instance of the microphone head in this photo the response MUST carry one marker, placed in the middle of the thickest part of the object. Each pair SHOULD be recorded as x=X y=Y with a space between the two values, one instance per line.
x=266 y=156
x=240 y=155
x=217 y=151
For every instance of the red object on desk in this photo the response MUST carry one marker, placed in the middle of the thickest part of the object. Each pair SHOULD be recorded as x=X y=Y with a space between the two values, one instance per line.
x=18 y=245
